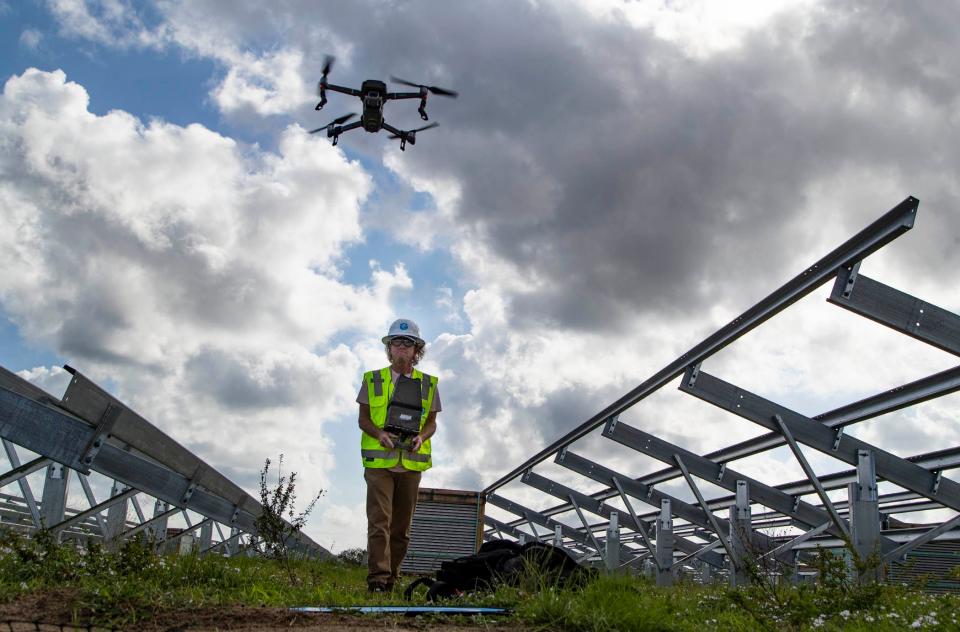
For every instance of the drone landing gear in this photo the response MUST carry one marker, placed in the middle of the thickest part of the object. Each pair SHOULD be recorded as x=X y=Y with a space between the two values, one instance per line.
x=423 y=108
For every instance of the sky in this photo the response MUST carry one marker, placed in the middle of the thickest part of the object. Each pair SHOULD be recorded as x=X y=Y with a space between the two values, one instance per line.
x=616 y=181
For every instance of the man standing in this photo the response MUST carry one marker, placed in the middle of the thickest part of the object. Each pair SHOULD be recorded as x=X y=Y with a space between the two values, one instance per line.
x=394 y=460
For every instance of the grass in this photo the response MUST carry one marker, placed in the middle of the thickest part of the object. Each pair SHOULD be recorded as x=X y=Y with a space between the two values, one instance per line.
x=133 y=584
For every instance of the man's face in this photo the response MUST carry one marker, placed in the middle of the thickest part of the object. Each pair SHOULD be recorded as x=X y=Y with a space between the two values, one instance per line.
x=402 y=348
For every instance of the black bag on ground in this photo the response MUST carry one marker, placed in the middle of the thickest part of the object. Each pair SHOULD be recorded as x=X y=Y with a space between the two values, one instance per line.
x=501 y=561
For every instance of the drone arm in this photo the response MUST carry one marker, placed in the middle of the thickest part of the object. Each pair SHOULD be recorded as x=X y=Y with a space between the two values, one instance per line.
x=403 y=95
x=393 y=130
x=403 y=136
x=339 y=129
x=422 y=95
x=351 y=91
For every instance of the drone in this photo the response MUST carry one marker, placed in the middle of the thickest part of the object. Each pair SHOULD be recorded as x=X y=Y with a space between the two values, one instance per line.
x=373 y=93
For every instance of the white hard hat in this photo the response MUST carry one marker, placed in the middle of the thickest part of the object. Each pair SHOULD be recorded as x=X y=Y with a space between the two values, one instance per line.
x=403 y=328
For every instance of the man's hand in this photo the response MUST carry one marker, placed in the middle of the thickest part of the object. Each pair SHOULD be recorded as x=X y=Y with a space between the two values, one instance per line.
x=415 y=443
x=386 y=440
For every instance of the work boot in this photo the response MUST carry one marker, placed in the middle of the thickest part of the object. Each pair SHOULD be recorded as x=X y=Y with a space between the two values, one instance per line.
x=377 y=587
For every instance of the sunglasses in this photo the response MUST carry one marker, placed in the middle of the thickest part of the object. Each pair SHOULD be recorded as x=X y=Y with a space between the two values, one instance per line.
x=402 y=342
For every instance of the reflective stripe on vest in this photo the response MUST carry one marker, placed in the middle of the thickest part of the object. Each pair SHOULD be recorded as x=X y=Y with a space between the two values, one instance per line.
x=378 y=454
x=414 y=456
x=377 y=384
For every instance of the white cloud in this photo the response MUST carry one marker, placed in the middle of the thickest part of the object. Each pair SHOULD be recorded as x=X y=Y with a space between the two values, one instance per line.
x=53 y=380
x=700 y=27
x=31 y=38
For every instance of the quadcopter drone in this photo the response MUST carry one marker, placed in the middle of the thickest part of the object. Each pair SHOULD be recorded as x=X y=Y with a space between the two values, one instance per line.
x=374 y=95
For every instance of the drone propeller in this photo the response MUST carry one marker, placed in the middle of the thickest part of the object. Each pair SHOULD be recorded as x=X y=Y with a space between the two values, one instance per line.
x=337 y=121
x=411 y=132
x=322 y=84
x=433 y=89
x=327 y=65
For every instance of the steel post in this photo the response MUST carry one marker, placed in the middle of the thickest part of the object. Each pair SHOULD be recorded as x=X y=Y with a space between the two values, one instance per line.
x=116 y=515
x=206 y=535
x=53 y=501
x=865 y=517
x=740 y=541
x=611 y=555
x=158 y=532
x=663 y=528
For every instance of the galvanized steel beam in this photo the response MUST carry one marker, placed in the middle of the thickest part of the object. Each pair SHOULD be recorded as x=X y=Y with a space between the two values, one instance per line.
x=533 y=516
x=814 y=434
x=602 y=509
x=897 y=310
x=721 y=476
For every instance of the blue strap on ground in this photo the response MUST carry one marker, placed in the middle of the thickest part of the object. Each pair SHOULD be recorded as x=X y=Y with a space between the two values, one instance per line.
x=410 y=610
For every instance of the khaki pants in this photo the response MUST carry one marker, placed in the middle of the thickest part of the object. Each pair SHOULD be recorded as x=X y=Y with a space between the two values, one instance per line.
x=391 y=499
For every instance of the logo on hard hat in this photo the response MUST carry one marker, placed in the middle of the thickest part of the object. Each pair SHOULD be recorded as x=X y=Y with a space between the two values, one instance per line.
x=404 y=326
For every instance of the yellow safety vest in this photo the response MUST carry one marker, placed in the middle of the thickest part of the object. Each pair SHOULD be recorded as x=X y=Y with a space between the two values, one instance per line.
x=379 y=393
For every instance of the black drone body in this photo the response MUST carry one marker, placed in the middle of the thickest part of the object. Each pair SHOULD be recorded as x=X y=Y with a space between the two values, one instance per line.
x=374 y=95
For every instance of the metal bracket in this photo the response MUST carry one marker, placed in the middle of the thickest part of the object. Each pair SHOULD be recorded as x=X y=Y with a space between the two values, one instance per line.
x=191 y=486
x=693 y=372
x=836 y=438
x=723 y=470
x=936 y=481
x=100 y=434
x=851 y=279
x=612 y=424
x=561 y=455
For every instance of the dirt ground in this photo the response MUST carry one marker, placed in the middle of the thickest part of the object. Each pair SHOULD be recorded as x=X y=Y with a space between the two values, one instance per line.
x=54 y=610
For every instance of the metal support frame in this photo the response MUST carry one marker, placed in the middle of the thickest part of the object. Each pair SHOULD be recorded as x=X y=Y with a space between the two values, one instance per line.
x=800 y=539
x=715 y=525
x=888 y=227
x=53 y=502
x=586 y=526
x=649 y=495
x=89 y=430
x=741 y=543
x=602 y=509
x=815 y=435
x=725 y=477
x=611 y=554
x=812 y=477
x=26 y=469
x=95 y=510
x=23 y=483
x=161 y=511
x=923 y=476
x=899 y=554
x=117 y=513
x=663 y=530
x=532 y=516
x=865 y=517
x=898 y=311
